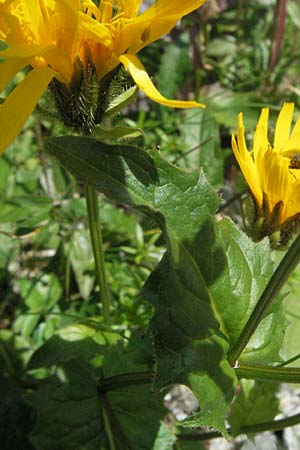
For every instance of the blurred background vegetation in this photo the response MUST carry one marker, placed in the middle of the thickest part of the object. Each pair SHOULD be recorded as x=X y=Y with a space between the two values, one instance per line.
x=232 y=55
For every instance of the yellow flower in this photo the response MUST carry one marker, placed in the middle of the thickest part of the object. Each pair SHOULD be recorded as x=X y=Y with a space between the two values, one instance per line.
x=55 y=37
x=273 y=172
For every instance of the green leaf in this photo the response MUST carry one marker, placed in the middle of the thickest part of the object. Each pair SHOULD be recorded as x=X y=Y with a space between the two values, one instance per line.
x=40 y=295
x=248 y=270
x=206 y=285
x=225 y=106
x=255 y=403
x=16 y=417
x=185 y=444
x=68 y=412
x=16 y=210
x=5 y=172
x=121 y=133
x=165 y=439
x=121 y=101
x=199 y=131
x=70 y=404
x=188 y=342
x=76 y=341
x=174 y=67
x=79 y=250
x=290 y=346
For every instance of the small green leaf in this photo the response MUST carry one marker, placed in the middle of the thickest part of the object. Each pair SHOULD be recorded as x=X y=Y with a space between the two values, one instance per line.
x=255 y=403
x=117 y=133
x=121 y=101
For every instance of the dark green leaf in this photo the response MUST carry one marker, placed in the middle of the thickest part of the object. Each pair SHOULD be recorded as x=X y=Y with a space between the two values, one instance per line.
x=16 y=417
x=188 y=342
x=70 y=405
x=69 y=413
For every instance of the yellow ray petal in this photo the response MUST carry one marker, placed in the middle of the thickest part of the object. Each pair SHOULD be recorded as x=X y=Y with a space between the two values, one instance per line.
x=296 y=129
x=156 y=21
x=129 y=8
x=106 y=10
x=283 y=126
x=142 y=79
x=20 y=103
x=8 y=70
x=276 y=177
x=261 y=144
x=293 y=199
x=91 y=29
x=260 y=141
x=246 y=162
x=25 y=51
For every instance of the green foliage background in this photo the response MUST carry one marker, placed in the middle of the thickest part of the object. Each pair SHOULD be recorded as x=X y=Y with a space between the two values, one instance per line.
x=183 y=278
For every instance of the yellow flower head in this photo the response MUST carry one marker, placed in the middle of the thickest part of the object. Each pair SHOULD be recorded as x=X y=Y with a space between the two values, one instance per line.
x=56 y=38
x=273 y=172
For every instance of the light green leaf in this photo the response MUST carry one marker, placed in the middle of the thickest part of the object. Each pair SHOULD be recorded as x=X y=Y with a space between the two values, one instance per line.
x=79 y=250
x=200 y=133
x=175 y=65
x=122 y=100
x=76 y=341
x=249 y=267
x=255 y=403
x=165 y=439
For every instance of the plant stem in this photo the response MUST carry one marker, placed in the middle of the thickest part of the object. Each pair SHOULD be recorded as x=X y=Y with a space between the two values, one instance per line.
x=125 y=379
x=114 y=425
x=108 y=430
x=280 y=14
x=97 y=245
x=265 y=373
x=255 y=428
x=279 y=277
